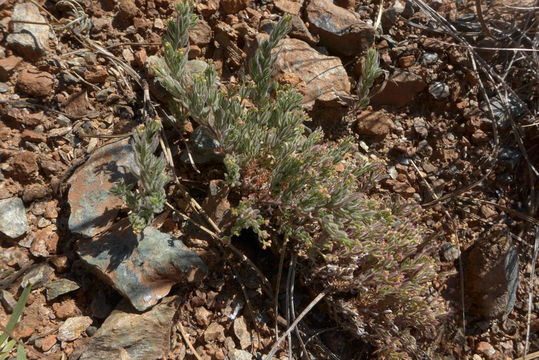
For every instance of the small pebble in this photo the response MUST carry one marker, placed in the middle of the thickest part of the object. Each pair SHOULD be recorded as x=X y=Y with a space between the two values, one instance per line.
x=450 y=252
x=429 y=58
x=8 y=301
x=439 y=90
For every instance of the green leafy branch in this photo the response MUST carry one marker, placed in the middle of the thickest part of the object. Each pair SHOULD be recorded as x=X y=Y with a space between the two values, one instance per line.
x=147 y=197
x=6 y=344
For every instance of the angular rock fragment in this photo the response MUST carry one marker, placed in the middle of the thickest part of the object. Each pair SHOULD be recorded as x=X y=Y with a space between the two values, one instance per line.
x=238 y=354
x=289 y=7
x=200 y=34
x=323 y=76
x=377 y=123
x=242 y=333
x=142 y=336
x=30 y=34
x=491 y=277
x=300 y=31
x=439 y=90
x=7 y=65
x=214 y=332
x=13 y=222
x=8 y=301
x=142 y=267
x=35 y=83
x=400 y=89
x=93 y=207
x=341 y=31
x=73 y=327
x=60 y=287
x=233 y=6
x=37 y=276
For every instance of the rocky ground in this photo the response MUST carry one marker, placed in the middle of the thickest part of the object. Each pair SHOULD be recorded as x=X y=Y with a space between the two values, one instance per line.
x=452 y=124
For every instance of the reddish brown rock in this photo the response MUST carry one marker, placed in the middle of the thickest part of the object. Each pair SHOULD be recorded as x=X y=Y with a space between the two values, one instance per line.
x=324 y=76
x=214 y=332
x=341 y=31
x=23 y=330
x=33 y=120
x=51 y=209
x=5 y=133
x=200 y=34
x=96 y=75
x=486 y=349
x=288 y=6
x=491 y=276
x=39 y=244
x=203 y=316
x=300 y=31
x=50 y=166
x=140 y=57
x=35 y=191
x=37 y=83
x=347 y=4
x=93 y=207
x=48 y=342
x=60 y=263
x=65 y=309
x=406 y=61
x=374 y=123
x=33 y=136
x=24 y=166
x=208 y=8
x=400 y=89
x=77 y=104
x=16 y=116
x=7 y=65
x=128 y=9
x=233 y=6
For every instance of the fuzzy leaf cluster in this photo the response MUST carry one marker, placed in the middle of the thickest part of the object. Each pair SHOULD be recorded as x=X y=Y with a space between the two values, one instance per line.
x=147 y=197
x=369 y=73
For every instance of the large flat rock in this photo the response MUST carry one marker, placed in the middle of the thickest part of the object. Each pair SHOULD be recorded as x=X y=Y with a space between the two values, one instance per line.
x=93 y=207
x=30 y=36
x=322 y=76
x=142 y=336
x=142 y=267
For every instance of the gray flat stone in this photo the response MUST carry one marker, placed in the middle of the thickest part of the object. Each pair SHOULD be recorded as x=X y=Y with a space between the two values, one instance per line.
x=13 y=222
x=93 y=207
x=8 y=301
x=29 y=40
x=143 y=336
x=142 y=267
x=37 y=276
x=60 y=287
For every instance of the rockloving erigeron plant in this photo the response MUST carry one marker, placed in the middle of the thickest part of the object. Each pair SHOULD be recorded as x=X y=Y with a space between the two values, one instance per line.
x=298 y=191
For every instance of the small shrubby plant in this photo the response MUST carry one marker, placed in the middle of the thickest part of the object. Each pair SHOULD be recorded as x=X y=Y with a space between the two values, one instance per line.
x=147 y=197
x=294 y=188
x=370 y=71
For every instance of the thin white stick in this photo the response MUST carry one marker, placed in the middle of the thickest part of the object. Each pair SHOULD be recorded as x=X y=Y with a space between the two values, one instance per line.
x=530 y=293
x=275 y=346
